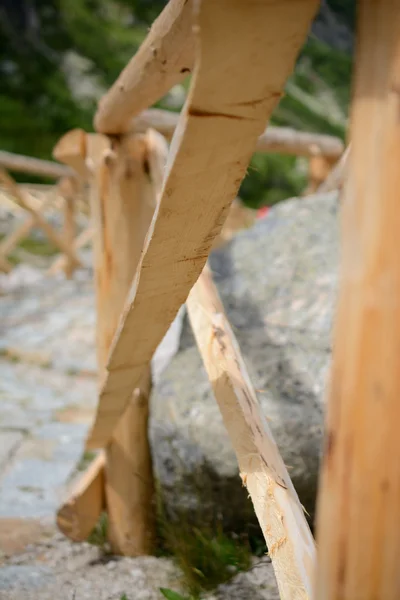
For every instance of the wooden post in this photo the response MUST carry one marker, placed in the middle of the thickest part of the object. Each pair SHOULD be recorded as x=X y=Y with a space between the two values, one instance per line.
x=358 y=530
x=123 y=201
x=337 y=176
x=68 y=188
x=319 y=168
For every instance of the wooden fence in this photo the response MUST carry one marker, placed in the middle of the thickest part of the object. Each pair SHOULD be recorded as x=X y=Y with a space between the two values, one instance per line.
x=156 y=215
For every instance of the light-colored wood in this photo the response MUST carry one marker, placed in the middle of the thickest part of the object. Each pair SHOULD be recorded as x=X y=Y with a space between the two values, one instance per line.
x=124 y=197
x=319 y=169
x=23 y=199
x=164 y=59
x=130 y=439
x=300 y=143
x=82 y=240
x=71 y=149
x=129 y=479
x=337 y=176
x=283 y=140
x=232 y=96
x=68 y=189
x=36 y=166
x=78 y=516
x=10 y=242
x=358 y=532
x=279 y=512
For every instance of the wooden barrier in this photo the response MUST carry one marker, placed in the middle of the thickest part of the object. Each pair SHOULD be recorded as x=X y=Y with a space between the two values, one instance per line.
x=216 y=134
x=358 y=516
x=231 y=97
x=164 y=59
x=279 y=512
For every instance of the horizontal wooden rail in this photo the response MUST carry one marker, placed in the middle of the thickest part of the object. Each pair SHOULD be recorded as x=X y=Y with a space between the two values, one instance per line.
x=209 y=155
x=274 y=139
x=164 y=59
x=35 y=166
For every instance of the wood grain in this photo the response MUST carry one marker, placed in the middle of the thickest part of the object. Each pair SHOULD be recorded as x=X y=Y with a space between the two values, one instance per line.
x=164 y=59
x=279 y=512
x=232 y=96
x=358 y=530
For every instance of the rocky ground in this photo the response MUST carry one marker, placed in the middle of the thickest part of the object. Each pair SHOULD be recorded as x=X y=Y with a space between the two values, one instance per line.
x=278 y=283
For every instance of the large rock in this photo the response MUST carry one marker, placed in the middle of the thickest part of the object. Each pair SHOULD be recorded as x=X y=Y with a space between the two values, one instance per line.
x=278 y=284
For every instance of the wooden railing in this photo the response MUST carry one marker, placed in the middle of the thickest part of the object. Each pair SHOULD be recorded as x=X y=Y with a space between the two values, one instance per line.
x=156 y=217
x=174 y=225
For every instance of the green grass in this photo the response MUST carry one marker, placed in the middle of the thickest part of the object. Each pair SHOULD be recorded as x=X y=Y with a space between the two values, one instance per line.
x=85 y=460
x=37 y=247
x=99 y=535
x=205 y=556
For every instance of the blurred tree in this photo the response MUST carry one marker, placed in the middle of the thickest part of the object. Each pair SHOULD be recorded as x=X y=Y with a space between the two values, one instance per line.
x=58 y=56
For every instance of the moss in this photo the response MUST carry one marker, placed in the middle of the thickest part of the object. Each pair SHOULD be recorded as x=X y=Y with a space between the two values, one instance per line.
x=86 y=458
x=99 y=535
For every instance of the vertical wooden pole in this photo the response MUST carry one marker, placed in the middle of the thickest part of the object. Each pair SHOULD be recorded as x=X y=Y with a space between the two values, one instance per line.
x=319 y=168
x=123 y=202
x=359 y=504
x=68 y=188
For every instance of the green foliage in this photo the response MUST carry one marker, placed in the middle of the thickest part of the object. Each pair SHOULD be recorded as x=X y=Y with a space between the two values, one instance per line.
x=99 y=535
x=206 y=557
x=39 y=101
x=170 y=595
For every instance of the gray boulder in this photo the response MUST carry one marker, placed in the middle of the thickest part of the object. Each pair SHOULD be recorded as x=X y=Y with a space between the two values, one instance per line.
x=278 y=284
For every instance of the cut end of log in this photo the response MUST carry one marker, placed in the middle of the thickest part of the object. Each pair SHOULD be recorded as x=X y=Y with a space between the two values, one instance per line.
x=71 y=150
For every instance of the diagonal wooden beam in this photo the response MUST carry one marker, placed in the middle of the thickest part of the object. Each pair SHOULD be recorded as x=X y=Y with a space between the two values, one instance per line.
x=164 y=59
x=232 y=96
x=8 y=244
x=82 y=240
x=22 y=198
x=279 y=512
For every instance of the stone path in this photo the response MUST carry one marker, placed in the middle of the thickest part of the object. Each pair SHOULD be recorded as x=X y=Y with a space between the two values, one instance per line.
x=47 y=386
x=47 y=390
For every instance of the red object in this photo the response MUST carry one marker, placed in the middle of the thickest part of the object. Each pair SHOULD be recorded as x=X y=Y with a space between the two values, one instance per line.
x=262 y=212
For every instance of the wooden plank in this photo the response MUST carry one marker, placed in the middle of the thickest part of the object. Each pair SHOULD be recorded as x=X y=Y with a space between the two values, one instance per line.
x=283 y=140
x=164 y=59
x=358 y=529
x=231 y=98
x=36 y=166
x=78 y=516
x=23 y=199
x=279 y=512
